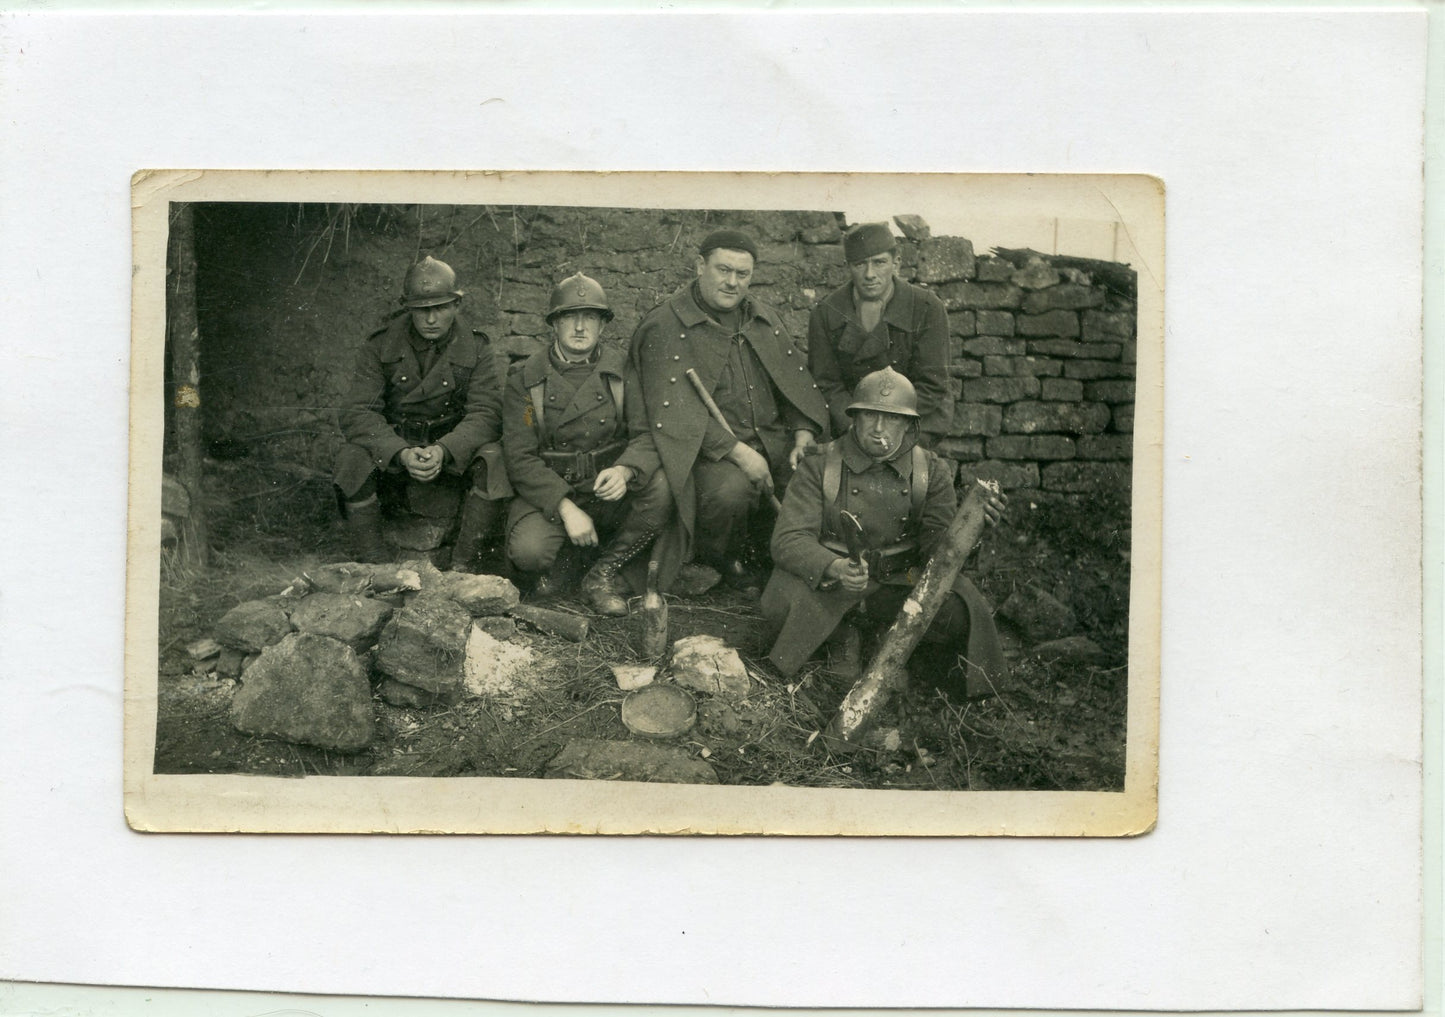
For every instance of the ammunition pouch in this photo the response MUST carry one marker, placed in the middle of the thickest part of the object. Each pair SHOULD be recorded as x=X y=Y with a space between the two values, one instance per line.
x=579 y=468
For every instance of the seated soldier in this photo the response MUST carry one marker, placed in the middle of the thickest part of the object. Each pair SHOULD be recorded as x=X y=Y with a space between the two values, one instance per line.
x=894 y=487
x=577 y=476
x=727 y=448
x=424 y=413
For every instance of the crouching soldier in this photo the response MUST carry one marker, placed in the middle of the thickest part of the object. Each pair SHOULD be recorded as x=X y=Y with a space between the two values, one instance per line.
x=422 y=421
x=578 y=478
x=879 y=474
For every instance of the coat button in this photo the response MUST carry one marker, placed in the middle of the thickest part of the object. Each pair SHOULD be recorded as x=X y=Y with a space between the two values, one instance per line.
x=666 y=403
x=790 y=352
x=855 y=490
x=683 y=336
x=676 y=357
x=403 y=377
x=551 y=399
x=659 y=425
x=599 y=397
x=444 y=383
x=673 y=380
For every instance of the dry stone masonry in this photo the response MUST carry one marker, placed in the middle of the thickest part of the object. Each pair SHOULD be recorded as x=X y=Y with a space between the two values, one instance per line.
x=1043 y=347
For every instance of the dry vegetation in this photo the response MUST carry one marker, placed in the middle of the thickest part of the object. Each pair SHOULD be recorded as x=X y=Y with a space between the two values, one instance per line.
x=1055 y=726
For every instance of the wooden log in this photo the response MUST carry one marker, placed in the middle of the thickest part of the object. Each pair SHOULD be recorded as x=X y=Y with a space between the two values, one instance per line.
x=714 y=411
x=554 y=623
x=887 y=669
x=183 y=338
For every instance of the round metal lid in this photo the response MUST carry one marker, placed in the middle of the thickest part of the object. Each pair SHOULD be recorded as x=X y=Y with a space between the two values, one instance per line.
x=659 y=711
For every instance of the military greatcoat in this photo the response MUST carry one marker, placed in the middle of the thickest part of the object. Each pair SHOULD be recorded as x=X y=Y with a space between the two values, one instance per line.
x=580 y=420
x=392 y=404
x=804 y=609
x=678 y=334
x=911 y=337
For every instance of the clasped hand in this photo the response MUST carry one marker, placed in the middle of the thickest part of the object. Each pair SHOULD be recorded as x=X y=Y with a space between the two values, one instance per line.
x=422 y=463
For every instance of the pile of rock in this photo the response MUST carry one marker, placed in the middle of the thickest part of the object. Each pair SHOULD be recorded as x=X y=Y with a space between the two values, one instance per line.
x=307 y=656
x=1049 y=627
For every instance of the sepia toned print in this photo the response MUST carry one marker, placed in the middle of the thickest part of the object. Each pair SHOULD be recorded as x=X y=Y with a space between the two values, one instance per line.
x=638 y=503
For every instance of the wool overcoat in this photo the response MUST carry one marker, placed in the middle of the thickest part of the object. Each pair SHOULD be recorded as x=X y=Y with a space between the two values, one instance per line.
x=678 y=334
x=804 y=612
x=582 y=422
x=911 y=337
x=389 y=387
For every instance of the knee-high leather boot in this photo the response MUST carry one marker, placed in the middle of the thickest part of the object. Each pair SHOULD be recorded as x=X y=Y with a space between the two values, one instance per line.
x=479 y=519
x=603 y=585
x=363 y=526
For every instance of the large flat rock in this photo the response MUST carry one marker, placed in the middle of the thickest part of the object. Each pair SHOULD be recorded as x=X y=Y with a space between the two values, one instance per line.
x=425 y=644
x=481 y=596
x=308 y=689
x=252 y=626
x=351 y=619
x=707 y=664
x=599 y=759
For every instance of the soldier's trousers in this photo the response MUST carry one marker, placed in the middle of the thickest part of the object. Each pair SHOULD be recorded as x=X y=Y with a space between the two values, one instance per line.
x=732 y=517
x=533 y=541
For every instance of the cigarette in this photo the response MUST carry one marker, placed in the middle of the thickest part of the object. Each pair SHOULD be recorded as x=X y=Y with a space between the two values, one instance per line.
x=883 y=440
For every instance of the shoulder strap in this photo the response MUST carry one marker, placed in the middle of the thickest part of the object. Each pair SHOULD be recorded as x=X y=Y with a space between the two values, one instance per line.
x=832 y=483
x=614 y=385
x=919 y=490
x=537 y=393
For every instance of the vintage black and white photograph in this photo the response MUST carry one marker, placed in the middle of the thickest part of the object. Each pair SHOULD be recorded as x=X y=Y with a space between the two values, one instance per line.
x=645 y=503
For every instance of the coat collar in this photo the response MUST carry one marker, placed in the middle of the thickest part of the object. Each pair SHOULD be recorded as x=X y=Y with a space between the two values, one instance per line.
x=898 y=311
x=691 y=313
x=859 y=461
x=536 y=367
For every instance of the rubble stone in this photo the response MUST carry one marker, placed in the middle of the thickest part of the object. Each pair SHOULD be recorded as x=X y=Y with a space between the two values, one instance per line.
x=1064 y=324
x=945 y=259
x=203 y=649
x=991 y=269
x=1083 y=477
x=401 y=694
x=633 y=676
x=1039 y=616
x=231 y=663
x=1062 y=298
x=353 y=620
x=425 y=643
x=1036 y=274
x=497 y=669
x=707 y=664
x=599 y=759
x=500 y=628
x=252 y=626
x=308 y=689
x=1073 y=648
x=481 y=595
x=913 y=227
x=1067 y=418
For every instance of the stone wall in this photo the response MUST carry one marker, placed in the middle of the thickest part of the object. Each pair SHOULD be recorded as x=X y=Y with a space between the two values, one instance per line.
x=1043 y=355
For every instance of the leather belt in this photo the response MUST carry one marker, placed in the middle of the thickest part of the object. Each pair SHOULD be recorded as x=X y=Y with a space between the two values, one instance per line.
x=578 y=468
x=427 y=430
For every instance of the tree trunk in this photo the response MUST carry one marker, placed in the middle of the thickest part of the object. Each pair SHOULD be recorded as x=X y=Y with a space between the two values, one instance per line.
x=182 y=336
x=886 y=671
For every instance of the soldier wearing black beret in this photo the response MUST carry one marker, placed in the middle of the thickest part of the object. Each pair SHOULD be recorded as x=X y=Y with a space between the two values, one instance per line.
x=720 y=475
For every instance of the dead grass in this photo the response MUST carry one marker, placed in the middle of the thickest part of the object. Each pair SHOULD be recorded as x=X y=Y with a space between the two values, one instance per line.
x=1055 y=726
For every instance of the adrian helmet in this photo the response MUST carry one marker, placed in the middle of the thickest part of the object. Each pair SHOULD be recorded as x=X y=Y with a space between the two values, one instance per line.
x=429 y=283
x=578 y=293
x=886 y=391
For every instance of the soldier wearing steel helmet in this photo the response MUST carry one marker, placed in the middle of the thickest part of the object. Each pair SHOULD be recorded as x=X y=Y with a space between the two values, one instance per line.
x=904 y=500
x=422 y=420
x=580 y=481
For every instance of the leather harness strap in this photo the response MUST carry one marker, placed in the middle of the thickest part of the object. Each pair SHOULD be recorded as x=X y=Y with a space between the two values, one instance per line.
x=833 y=485
x=537 y=393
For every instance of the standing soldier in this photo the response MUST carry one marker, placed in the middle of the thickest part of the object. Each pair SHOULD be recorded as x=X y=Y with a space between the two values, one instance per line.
x=423 y=414
x=577 y=476
x=877 y=320
x=721 y=470
x=823 y=590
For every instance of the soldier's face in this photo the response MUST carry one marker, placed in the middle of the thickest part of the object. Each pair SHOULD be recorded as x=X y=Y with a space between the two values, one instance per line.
x=723 y=277
x=871 y=276
x=577 y=332
x=431 y=323
x=879 y=434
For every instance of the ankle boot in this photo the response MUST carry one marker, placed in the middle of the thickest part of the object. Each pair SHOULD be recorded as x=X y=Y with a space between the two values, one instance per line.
x=363 y=526
x=479 y=518
x=603 y=585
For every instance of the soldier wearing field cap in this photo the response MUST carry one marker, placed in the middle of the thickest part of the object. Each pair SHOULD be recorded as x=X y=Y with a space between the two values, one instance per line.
x=901 y=494
x=422 y=420
x=721 y=472
x=878 y=320
x=579 y=479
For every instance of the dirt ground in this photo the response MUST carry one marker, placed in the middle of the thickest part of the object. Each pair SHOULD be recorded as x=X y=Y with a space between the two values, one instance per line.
x=1055 y=726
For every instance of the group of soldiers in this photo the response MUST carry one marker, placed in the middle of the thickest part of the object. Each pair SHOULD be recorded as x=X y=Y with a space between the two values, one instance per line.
x=713 y=440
